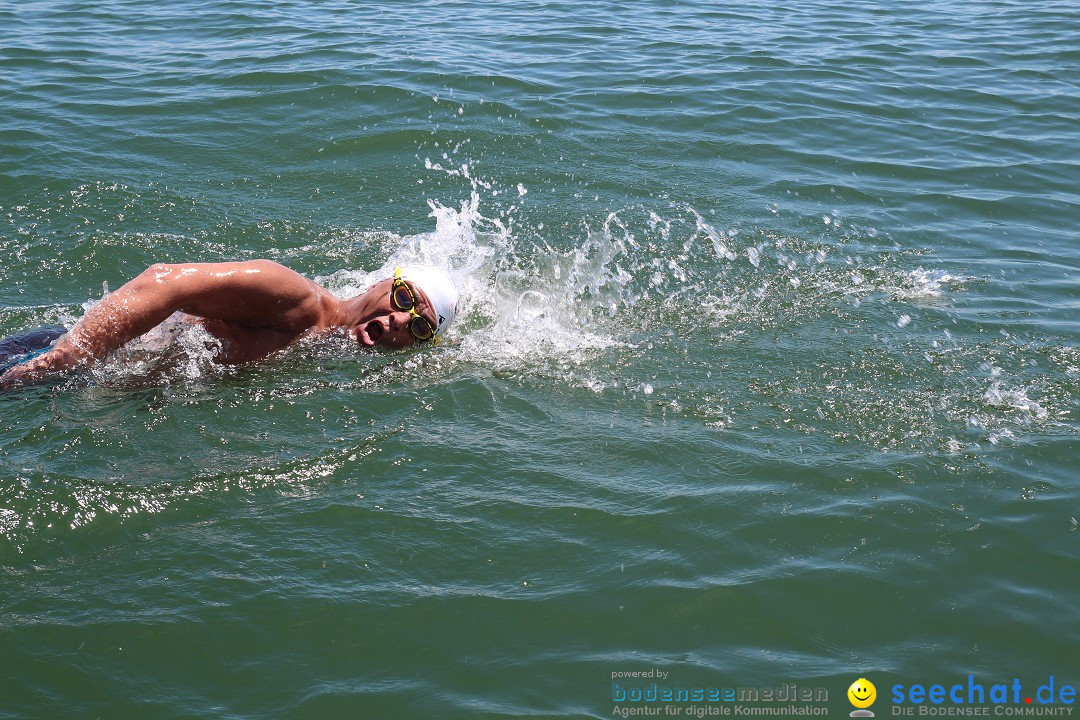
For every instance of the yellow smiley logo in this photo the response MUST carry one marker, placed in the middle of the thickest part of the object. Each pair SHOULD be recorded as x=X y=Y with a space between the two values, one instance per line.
x=862 y=693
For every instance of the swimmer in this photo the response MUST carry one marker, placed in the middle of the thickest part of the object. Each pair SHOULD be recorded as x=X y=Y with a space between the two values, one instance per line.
x=254 y=308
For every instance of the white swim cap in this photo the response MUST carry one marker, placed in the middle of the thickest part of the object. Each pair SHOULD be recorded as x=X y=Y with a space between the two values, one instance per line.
x=440 y=290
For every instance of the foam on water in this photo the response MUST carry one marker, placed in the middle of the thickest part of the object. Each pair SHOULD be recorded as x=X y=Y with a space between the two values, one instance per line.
x=665 y=311
x=521 y=307
x=637 y=287
x=178 y=350
x=645 y=288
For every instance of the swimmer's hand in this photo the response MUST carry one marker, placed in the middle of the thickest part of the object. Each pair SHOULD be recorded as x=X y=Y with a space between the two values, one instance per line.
x=56 y=360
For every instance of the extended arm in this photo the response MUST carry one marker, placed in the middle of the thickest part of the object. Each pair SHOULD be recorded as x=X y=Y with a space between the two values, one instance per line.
x=255 y=294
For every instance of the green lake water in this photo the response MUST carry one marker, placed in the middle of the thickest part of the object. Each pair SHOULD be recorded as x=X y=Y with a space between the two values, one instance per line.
x=767 y=373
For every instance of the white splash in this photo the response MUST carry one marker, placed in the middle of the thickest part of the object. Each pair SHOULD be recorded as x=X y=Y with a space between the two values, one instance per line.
x=1015 y=399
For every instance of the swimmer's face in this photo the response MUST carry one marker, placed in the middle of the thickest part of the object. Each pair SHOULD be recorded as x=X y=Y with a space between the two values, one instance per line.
x=378 y=323
x=862 y=693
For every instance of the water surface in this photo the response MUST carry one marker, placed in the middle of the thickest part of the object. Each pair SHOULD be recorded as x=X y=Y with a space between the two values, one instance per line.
x=768 y=368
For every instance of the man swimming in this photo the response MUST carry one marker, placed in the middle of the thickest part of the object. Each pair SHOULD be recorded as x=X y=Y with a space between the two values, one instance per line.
x=253 y=308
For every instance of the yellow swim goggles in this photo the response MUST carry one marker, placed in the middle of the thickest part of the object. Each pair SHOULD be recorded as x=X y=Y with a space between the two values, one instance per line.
x=402 y=298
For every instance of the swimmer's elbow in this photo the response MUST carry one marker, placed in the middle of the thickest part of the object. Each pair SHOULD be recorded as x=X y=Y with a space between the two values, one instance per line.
x=162 y=284
x=159 y=273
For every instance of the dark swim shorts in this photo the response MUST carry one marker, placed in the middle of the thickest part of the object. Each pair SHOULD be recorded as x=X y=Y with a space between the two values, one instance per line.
x=20 y=348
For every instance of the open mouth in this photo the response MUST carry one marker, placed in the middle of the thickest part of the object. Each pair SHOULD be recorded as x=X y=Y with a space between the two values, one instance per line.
x=369 y=334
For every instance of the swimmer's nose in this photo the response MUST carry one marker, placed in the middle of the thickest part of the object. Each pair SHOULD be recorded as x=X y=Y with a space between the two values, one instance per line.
x=399 y=320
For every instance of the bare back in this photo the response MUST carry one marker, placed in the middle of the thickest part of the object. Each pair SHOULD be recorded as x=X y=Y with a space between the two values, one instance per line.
x=252 y=294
